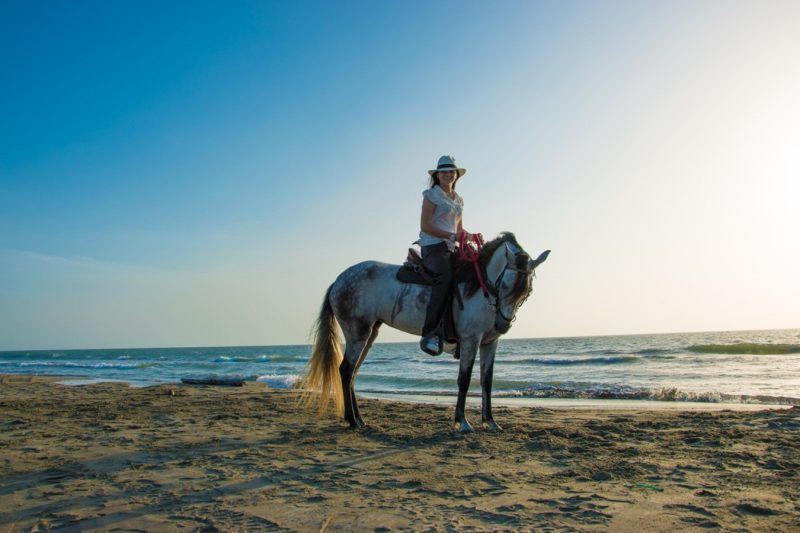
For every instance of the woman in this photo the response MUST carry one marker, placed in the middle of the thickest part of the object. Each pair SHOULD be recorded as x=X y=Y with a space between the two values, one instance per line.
x=440 y=224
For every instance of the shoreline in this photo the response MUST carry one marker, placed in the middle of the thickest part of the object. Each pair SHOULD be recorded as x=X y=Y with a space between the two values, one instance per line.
x=474 y=399
x=180 y=457
x=575 y=403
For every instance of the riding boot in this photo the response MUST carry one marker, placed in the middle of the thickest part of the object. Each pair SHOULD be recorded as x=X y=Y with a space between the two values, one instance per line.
x=437 y=259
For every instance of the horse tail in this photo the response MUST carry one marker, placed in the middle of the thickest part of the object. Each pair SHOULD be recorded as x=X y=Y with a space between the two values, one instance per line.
x=321 y=374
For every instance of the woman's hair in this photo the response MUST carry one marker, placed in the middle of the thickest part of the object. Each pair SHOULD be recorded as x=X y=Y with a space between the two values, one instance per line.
x=435 y=180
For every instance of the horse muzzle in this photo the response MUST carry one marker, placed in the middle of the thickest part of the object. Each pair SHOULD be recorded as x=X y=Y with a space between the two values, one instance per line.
x=501 y=325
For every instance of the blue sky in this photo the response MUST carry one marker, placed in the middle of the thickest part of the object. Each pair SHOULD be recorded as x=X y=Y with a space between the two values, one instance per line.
x=156 y=123
x=197 y=173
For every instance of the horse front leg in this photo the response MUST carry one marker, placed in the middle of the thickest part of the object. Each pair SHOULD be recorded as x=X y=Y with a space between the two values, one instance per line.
x=469 y=348
x=487 y=371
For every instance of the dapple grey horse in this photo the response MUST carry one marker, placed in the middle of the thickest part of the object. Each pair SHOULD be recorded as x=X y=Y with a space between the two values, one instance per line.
x=368 y=294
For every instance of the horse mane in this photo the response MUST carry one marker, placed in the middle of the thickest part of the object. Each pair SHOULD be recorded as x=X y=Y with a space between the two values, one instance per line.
x=521 y=288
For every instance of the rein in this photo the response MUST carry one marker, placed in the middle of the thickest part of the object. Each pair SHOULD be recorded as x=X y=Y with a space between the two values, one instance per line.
x=469 y=250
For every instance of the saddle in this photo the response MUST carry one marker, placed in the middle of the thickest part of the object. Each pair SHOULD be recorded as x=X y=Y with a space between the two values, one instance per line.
x=413 y=271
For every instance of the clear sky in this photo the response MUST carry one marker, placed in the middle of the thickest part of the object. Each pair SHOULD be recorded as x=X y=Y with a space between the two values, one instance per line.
x=197 y=173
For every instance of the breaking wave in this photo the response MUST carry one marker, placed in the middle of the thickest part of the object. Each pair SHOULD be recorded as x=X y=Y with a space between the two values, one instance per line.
x=256 y=359
x=576 y=361
x=746 y=348
x=279 y=381
x=664 y=394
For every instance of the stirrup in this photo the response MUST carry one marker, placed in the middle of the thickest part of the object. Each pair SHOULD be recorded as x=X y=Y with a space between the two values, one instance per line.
x=426 y=342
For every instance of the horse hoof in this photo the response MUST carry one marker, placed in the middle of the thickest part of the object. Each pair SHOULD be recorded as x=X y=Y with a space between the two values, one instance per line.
x=464 y=427
x=492 y=426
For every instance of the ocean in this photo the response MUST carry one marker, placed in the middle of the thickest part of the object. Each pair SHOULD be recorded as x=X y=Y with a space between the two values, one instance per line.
x=729 y=367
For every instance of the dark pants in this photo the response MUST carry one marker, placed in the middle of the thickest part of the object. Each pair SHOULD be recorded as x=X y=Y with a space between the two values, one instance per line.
x=437 y=258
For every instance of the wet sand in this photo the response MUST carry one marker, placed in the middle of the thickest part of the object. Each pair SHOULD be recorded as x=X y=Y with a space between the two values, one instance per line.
x=178 y=457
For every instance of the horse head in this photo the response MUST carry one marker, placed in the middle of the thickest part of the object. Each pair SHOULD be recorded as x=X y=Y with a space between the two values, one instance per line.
x=510 y=271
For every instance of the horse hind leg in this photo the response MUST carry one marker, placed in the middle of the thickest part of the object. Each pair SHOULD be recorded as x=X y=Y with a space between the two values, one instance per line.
x=367 y=347
x=356 y=338
x=346 y=371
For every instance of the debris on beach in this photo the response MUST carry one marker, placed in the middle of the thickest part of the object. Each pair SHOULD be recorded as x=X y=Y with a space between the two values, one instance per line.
x=226 y=381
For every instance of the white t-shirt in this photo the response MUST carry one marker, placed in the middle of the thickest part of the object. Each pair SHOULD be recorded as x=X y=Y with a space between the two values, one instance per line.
x=445 y=217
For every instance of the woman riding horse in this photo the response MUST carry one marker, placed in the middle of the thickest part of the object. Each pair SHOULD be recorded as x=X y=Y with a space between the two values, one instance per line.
x=369 y=294
x=440 y=224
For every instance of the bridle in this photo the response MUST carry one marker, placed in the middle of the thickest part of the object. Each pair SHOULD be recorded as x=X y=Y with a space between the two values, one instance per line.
x=495 y=298
x=469 y=250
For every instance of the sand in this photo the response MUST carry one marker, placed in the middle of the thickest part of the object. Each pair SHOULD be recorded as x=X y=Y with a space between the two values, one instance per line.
x=178 y=457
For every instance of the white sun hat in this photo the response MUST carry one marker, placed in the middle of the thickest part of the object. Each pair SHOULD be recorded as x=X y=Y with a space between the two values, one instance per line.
x=448 y=162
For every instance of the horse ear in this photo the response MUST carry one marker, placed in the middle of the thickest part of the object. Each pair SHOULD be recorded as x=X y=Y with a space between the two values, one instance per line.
x=533 y=263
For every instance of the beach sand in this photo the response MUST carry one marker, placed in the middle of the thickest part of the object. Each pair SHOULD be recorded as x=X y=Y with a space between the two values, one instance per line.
x=179 y=457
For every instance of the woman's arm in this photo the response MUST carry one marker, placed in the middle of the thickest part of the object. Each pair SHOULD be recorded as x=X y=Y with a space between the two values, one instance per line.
x=426 y=220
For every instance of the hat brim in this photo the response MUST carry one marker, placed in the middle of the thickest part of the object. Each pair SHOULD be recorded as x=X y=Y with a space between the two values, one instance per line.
x=461 y=171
